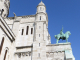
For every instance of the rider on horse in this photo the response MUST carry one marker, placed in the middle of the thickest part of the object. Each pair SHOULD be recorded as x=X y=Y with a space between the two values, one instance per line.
x=62 y=35
x=61 y=32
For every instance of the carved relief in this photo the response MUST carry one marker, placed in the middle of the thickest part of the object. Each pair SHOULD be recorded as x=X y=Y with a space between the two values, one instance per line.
x=23 y=54
x=55 y=55
x=27 y=54
x=19 y=55
x=50 y=55
x=47 y=55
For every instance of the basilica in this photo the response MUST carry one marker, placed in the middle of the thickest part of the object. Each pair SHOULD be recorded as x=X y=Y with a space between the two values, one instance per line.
x=27 y=37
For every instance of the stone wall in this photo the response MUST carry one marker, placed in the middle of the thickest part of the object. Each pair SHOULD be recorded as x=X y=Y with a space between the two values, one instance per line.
x=59 y=50
x=7 y=45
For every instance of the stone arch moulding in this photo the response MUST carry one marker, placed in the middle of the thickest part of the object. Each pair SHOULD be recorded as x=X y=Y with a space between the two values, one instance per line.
x=7 y=49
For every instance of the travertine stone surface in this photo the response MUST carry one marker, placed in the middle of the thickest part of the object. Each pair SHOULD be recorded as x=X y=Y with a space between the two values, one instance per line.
x=4 y=8
x=32 y=42
x=59 y=50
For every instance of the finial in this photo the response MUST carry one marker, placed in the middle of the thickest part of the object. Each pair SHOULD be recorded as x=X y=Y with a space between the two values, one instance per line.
x=14 y=15
x=41 y=3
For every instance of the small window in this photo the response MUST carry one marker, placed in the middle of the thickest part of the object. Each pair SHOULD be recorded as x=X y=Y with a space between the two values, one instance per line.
x=43 y=8
x=39 y=44
x=39 y=35
x=22 y=31
x=27 y=30
x=31 y=30
x=38 y=54
x=40 y=17
x=39 y=27
x=40 y=8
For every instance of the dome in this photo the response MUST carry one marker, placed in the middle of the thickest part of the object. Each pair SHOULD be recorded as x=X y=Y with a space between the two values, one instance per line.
x=41 y=3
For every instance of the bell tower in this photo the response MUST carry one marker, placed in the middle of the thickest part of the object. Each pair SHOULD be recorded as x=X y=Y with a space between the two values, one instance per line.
x=4 y=8
x=41 y=8
x=39 y=44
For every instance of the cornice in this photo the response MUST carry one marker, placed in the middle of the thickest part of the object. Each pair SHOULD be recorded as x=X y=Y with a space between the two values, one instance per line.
x=41 y=5
x=55 y=51
x=21 y=47
x=59 y=44
x=26 y=16
x=40 y=13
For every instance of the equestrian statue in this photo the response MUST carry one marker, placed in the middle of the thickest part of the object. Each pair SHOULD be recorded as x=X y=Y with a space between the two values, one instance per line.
x=63 y=36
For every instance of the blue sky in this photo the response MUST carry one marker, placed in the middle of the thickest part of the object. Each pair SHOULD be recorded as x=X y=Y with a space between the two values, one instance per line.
x=60 y=12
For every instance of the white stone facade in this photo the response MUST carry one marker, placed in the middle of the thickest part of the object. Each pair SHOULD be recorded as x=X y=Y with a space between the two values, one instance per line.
x=27 y=37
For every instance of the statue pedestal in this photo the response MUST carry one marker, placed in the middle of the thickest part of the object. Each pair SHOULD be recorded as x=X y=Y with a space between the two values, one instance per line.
x=68 y=50
x=61 y=51
x=64 y=43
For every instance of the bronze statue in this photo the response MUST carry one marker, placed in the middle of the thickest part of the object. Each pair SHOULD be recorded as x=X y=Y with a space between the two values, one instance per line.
x=62 y=35
x=61 y=32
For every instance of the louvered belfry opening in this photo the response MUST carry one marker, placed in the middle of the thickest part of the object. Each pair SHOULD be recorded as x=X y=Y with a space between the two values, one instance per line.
x=1 y=45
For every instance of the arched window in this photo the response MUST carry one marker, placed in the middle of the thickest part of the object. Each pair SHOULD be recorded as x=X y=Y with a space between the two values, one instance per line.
x=6 y=50
x=1 y=44
x=5 y=55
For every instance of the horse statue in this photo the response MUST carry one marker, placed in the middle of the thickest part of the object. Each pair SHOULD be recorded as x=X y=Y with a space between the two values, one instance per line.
x=62 y=35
